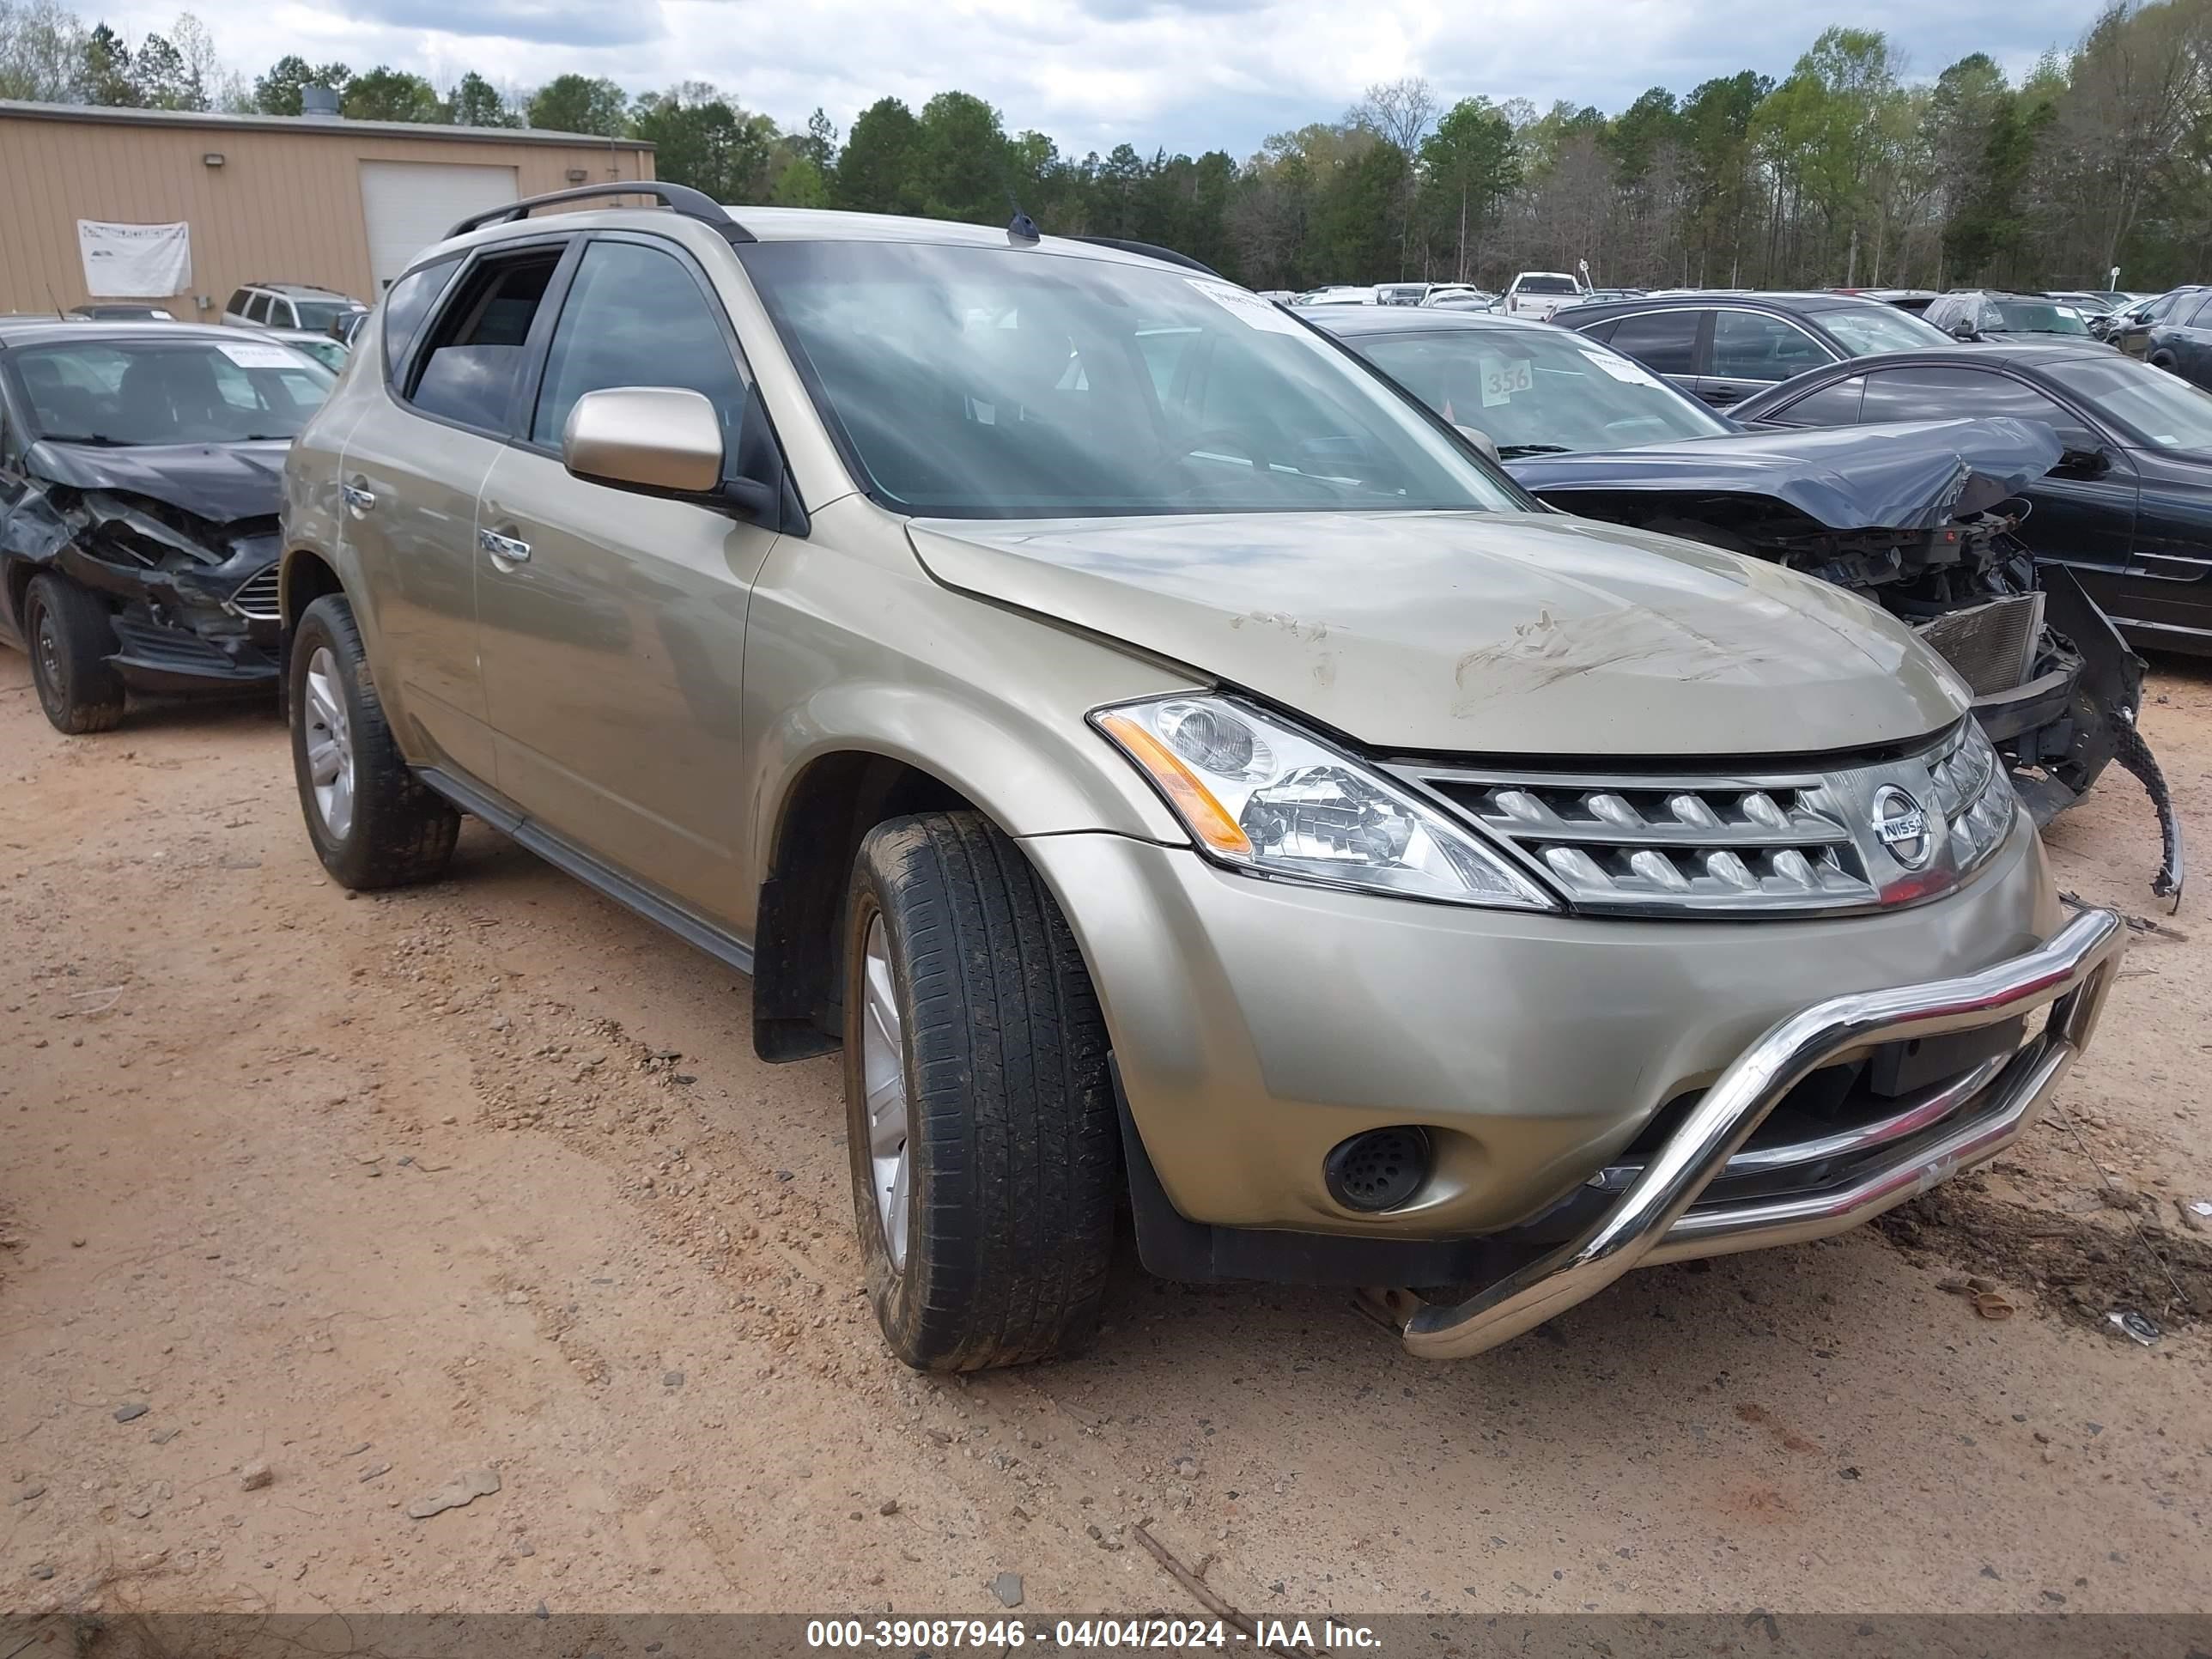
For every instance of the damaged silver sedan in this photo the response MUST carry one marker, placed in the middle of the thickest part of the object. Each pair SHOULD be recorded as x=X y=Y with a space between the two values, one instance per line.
x=140 y=470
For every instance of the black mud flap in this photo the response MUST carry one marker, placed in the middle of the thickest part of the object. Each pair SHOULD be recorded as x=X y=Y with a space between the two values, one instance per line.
x=2107 y=696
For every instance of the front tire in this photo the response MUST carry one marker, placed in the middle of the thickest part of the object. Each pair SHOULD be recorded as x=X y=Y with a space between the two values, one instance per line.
x=373 y=823
x=980 y=1114
x=71 y=636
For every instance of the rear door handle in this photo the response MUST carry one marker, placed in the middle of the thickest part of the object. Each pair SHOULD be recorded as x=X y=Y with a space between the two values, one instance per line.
x=503 y=547
x=358 y=499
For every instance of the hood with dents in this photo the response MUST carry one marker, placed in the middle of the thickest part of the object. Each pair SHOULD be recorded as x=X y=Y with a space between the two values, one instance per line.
x=1477 y=633
x=1915 y=475
x=219 y=482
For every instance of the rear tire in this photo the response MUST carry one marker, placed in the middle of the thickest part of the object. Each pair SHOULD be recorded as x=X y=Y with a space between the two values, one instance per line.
x=373 y=823
x=986 y=1178
x=71 y=636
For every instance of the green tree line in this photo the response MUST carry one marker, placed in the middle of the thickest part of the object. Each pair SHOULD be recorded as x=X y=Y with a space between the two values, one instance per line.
x=1845 y=171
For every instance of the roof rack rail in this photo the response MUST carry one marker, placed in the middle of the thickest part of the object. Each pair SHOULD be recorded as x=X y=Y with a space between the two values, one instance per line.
x=682 y=198
x=1150 y=251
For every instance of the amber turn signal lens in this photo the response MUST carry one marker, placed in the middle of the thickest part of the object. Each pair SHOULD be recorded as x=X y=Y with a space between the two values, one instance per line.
x=1197 y=808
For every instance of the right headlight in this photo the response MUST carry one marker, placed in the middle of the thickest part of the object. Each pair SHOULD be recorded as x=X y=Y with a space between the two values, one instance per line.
x=1261 y=796
x=1974 y=794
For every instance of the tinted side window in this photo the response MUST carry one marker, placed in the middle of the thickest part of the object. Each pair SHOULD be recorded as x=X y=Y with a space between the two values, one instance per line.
x=1935 y=394
x=236 y=306
x=1600 y=330
x=1664 y=340
x=257 y=308
x=475 y=352
x=407 y=305
x=2201 y=317
x=1750 y=345
x=636 y=316
x=1831 y=406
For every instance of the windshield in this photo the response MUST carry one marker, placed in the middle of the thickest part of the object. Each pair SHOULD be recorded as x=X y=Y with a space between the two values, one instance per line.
x=1547 y=285
x=1863 y=331
x=168 y=390
x=321 y=313
x=329 y=353
x=1538 y=392
x=1001 y=383
x=2037 y=317
x=2161 y=410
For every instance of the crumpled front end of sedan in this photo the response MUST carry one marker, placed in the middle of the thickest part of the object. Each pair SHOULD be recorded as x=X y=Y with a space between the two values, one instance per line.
x=193 y=593
x=1918 y=518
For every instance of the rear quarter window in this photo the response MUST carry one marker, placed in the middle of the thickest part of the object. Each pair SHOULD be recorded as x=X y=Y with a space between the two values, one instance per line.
x=1831 y=406
x=407 y=306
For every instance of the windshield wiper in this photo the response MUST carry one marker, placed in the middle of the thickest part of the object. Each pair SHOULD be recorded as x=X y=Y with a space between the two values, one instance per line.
x=98 y=440
x=1515 y=452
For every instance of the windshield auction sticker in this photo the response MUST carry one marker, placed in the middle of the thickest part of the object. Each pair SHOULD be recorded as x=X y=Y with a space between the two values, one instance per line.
x=258 y=354
x=1622 y=368
x=1246 y=307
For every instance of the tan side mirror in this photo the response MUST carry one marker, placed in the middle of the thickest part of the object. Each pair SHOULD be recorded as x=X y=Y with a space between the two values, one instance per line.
x=1481 y=439
x=645 y=437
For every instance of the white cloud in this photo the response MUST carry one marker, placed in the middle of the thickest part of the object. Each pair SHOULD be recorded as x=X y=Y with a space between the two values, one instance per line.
x=1185 y=74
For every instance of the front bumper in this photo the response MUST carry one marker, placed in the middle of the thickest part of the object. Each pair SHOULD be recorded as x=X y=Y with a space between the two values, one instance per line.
x=2059 y=724
x=156 y=652
x=187 y=627
x=1659 y=1218
x=1257 y=1024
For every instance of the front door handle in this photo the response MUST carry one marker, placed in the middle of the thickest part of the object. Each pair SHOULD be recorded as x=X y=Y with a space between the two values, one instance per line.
x=358 y=499
x=504 y=548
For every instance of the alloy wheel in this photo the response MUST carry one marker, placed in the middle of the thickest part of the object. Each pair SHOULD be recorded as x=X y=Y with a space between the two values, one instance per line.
x=883 y=1074
x=329 y=745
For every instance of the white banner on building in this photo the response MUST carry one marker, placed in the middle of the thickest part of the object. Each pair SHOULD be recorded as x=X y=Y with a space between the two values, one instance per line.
x=135 y=262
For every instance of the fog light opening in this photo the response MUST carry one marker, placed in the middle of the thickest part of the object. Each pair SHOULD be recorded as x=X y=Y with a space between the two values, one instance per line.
x=1377 y=1169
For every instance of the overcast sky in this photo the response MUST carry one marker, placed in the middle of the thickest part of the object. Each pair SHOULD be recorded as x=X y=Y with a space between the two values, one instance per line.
x=1191 y=75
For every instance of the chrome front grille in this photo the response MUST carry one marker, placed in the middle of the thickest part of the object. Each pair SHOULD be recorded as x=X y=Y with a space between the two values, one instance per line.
x=1798 y=842
x=256 y=599
x=1677 y=842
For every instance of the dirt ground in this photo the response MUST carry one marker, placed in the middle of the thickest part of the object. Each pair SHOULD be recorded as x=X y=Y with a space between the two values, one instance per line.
x=368 y=1196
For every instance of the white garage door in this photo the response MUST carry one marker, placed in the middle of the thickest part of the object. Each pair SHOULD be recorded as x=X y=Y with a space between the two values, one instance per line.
x=410 y=204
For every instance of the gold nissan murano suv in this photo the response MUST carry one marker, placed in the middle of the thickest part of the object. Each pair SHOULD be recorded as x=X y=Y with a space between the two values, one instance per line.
x=1167 y=761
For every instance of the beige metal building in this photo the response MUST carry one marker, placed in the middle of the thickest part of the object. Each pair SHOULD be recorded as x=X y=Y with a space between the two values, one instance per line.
x=341 y=204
